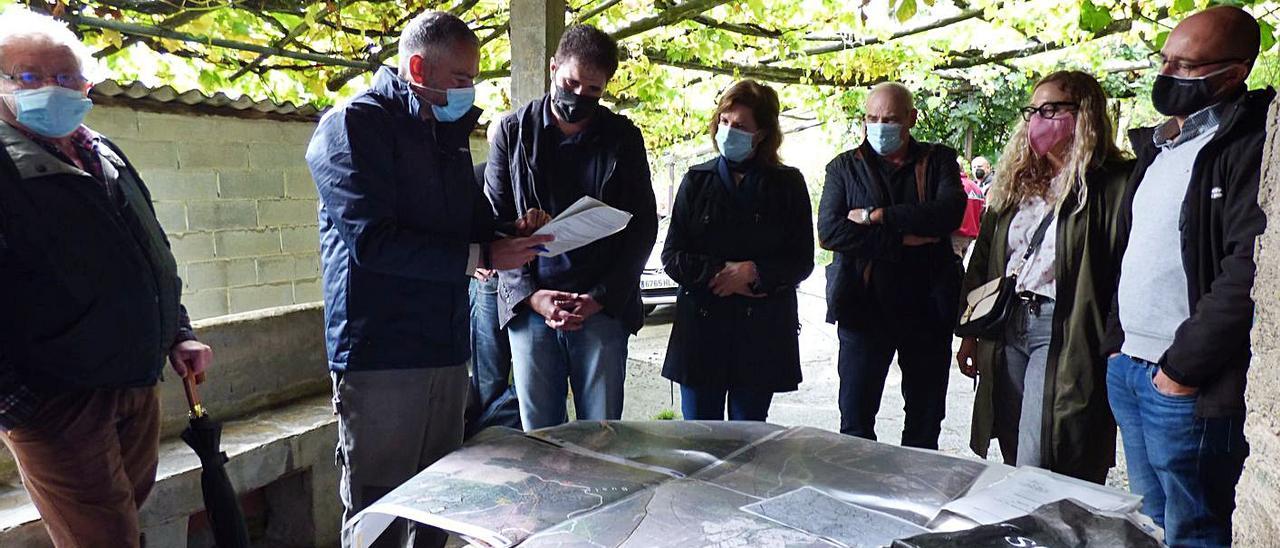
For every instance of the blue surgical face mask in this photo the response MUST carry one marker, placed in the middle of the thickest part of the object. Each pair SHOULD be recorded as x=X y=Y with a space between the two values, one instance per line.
x=458 y=101
x=51 y=111
x=886 y=139
x=735 y=145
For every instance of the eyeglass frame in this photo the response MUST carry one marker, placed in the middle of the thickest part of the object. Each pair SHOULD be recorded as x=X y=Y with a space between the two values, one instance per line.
x=1159 y=61
x=1029 y=111
x=62 y=79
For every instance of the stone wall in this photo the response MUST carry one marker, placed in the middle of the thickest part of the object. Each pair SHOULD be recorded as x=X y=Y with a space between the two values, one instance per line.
x=237 y=201
x=1259 y=492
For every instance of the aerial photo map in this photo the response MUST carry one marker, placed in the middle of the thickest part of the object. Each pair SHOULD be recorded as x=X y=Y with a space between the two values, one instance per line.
x=705 y=484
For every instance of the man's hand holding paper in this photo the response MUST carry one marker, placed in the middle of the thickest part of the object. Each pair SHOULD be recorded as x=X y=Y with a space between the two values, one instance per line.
x=584 y=222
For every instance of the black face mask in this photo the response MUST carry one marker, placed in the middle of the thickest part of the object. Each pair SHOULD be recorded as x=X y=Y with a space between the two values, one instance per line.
x=1174 y=96
x=980 y=174
x=571 y=107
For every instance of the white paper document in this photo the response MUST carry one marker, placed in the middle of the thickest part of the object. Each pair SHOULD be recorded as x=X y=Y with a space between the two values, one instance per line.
x=1027 y=488
x=586 y=221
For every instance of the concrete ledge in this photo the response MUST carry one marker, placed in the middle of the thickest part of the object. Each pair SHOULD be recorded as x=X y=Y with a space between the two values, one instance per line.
x=262 y=448
x=261 y=359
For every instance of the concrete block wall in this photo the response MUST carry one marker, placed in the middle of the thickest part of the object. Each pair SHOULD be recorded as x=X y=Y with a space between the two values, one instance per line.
x=236 y=199
x=1258 y=496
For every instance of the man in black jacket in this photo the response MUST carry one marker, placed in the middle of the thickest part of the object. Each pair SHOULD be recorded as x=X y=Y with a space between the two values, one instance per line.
x=90 y=300
x=1180 y=334
x=569 y=316
x=888 y=209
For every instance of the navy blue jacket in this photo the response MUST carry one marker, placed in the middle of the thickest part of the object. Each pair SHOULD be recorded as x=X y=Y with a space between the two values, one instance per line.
x=516 y=178
x=399 y=211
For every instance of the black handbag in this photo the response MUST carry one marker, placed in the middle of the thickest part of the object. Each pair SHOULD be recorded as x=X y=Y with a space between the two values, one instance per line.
x=987 y=306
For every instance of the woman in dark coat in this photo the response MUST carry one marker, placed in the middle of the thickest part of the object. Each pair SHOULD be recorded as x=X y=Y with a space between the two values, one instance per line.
x=740 y=241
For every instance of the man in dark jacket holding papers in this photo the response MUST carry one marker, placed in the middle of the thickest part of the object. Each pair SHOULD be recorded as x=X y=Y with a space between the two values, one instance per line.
x=569 y=316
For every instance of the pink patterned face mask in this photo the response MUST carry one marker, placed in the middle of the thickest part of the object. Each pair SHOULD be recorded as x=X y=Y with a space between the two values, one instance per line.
x=1045 y=134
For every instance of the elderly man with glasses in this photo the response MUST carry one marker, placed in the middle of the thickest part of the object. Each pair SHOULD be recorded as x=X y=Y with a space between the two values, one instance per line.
x=90 y=297
x=1180 y=337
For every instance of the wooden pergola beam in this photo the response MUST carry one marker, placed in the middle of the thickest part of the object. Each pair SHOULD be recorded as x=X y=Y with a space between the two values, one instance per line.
x=134 y=29
x=669 y=16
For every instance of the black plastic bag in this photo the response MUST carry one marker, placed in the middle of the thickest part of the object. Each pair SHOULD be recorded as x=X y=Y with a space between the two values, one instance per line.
x=1062 y=524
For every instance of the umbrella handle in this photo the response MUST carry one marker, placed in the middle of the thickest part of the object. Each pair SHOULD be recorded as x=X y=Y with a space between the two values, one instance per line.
x=193 y=396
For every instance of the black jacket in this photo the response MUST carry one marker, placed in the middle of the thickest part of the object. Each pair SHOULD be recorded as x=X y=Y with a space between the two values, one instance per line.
x=874 y=278
x=736 y=341
x=89 y=288
x=516 y=181
x=1220 y=220
x=399 y=210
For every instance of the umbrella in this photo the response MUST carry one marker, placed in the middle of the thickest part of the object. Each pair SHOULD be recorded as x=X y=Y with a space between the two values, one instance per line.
x=204 y=435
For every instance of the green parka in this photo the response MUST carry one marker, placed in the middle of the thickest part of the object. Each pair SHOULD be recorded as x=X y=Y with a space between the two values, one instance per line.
x=1079 y=432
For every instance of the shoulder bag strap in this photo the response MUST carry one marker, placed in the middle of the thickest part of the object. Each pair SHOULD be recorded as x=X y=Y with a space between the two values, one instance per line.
x=1036 y=240
x=922 y=168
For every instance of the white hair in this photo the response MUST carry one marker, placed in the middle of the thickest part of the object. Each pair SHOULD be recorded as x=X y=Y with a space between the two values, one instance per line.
x=19 y=23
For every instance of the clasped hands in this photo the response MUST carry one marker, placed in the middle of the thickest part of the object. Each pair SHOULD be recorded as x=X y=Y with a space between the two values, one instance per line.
x=735 y=278
x=877 y=217
x=562 y=310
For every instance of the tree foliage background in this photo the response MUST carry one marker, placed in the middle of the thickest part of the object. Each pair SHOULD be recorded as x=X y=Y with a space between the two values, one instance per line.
x=973 y=61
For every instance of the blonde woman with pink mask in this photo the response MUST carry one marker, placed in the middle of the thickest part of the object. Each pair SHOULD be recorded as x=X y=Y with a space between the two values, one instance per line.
x=1041 y=388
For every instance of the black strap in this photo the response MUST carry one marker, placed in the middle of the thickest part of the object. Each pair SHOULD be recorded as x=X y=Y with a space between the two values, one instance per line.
x=1038 y=237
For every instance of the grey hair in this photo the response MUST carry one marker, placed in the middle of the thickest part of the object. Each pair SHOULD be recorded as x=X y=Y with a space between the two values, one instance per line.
x=19 y=23
x=430 y=34
x=897 y=90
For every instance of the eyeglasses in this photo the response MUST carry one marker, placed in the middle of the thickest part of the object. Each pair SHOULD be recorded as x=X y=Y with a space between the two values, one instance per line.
x=1160 y=60
x=35 y=79
x=1049 y=111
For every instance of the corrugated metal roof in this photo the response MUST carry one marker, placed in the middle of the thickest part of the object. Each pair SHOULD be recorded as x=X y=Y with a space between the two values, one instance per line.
x=167 y=98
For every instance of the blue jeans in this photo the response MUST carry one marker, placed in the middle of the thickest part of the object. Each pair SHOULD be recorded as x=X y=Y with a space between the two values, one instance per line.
x=924 y=356
x=1185 y=467
x=547 y=362
x=707 y=404
x=491 y=360
x=1019 y=400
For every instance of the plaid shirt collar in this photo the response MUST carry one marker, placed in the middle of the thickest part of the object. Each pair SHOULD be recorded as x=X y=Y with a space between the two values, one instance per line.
x=1207 y=120
x=85 y=143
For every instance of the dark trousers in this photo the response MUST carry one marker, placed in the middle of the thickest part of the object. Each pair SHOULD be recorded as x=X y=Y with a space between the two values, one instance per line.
x=708 y=404
x=924 y=356
x=88 y=460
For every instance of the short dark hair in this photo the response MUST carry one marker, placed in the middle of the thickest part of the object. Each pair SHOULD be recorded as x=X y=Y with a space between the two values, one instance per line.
x=590 y=46
x=430 y=32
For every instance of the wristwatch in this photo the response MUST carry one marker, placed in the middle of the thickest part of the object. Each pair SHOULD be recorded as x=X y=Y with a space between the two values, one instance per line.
x=863 y=216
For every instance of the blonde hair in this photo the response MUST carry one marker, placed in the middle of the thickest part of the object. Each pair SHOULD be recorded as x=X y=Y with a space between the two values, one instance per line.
x=19 y=23
x=1024 y=175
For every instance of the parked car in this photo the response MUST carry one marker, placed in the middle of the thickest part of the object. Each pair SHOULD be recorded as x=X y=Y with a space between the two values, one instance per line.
x=656 y=287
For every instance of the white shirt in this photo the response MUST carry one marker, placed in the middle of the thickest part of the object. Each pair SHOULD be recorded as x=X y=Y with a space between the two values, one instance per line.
x=1038 y=275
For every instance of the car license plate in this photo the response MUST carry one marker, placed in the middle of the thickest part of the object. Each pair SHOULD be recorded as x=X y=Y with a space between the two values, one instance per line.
x=657 y=284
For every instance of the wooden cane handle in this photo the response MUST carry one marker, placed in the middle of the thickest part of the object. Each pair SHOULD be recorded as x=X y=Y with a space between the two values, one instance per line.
x=193 y=395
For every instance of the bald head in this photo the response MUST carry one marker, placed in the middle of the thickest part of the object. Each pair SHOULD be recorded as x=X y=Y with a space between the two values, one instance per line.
x=1216 y=34
x=893 y=94
x=891 y=102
